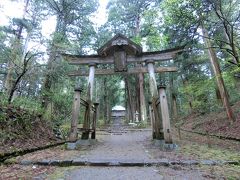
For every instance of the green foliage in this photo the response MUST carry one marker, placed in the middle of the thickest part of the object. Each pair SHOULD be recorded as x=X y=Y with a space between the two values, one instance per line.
x=65 y=129
x=156 y=25
x=27 y=103
x=200 y=92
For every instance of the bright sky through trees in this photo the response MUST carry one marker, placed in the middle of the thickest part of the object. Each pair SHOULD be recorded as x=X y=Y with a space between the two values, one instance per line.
x=10 y=9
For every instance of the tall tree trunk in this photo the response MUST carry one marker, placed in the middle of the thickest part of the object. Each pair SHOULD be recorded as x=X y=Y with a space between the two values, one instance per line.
x=130 y=100
x=217 y=91
x=140 y=79
x=143 y=110
x=16 y=46
x=47 y=85
x=173 y=102
x=218 y=75
x=48 y=82
x=105 y=101
x=137 y=97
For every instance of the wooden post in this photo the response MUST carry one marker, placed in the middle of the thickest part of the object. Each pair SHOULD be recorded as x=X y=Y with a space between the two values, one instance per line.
x=151 y=119
x=75 y=114
x=157 y=122
x=86 y=124
x=91 y=80
x=95 y=117
x=154 y=96
x=152 y=78
x=165 y=115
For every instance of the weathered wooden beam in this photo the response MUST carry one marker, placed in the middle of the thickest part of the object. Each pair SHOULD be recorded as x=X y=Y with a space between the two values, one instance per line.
x=151 y=116
x=152 y=78
x=157 y=123
x=91 y=81
x=74 y=60
x=155 y=56
x=165 y=115
x=88 y=59
x=94 y=123
x=75 y=115
x=89 y=113
x=130 y=71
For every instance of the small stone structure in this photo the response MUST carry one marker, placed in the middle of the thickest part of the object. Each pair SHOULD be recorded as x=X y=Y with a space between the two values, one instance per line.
x=118 y=111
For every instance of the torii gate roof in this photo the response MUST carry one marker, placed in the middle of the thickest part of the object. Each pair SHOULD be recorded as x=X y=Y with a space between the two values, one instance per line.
x=129 y=46
x=132 y=54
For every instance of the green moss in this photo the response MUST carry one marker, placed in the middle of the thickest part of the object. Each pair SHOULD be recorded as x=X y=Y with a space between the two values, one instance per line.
x=11 y=161
x=231 y=172
x=204 y=152
x=60 y=173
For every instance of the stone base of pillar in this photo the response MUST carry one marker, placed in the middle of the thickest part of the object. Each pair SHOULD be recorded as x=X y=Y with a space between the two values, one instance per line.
x=163 y=145
x=80 y=143
x=85 y=135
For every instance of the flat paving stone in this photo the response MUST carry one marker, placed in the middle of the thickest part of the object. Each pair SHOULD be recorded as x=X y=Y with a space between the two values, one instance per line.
x=45 y=162
x=26 y=162
x=114 y=173
x=189 y=162
x=208 y=162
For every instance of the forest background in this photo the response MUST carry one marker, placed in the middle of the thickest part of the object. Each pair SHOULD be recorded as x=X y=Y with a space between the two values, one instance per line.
x=33 y=75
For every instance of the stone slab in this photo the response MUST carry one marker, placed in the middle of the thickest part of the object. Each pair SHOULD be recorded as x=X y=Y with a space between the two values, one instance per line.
x=189 y=162
x=80 y=143
x=208 y=162
x=26 y=162
x=164 y=146
x=71 y=146
x=125 y=163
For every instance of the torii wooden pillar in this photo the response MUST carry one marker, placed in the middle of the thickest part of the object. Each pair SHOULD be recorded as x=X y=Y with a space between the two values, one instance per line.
x=165 y=115
x=121 y=51
x=157 y=125
x=86 y=123
x=75 y=115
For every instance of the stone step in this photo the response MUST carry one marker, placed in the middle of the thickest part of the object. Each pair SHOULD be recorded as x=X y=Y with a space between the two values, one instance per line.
x=126 y=163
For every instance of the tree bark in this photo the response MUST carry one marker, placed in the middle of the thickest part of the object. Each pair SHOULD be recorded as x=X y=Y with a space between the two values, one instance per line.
x=173 y=102
x=105 y=116
x=143 y=111
x=130 y=100
x=218 y=75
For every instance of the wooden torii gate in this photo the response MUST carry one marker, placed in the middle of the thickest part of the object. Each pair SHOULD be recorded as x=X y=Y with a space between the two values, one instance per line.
x=121 y=52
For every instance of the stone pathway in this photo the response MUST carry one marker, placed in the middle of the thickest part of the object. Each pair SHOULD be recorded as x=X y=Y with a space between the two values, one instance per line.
x=114 y=173
x=121 y=154
x=129 y=148
x=128 y=155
